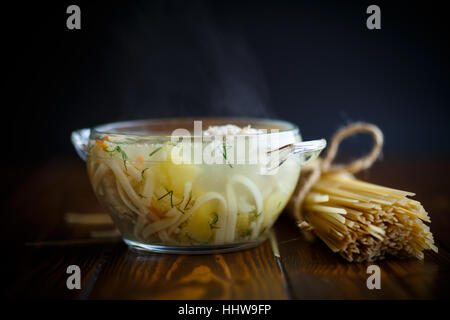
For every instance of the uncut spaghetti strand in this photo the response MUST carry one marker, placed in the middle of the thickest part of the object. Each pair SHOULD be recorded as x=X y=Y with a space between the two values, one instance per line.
x=359 y=220
x=370 y=230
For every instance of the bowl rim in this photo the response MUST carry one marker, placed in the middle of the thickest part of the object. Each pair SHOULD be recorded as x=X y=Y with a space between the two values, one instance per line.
x=111 y=128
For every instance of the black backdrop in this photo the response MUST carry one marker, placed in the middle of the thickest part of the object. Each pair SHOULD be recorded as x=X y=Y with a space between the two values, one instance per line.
x=311 y=62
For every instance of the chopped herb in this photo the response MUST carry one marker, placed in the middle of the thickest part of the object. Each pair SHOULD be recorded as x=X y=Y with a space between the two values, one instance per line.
x=181 y=201
x=262 y=231
x=279 y=204
x=212 y=225
x=140 y=195
x=118 y=149
x=142 y=172
x=189 y=200
x=256 y=215
x=171 y=197
x=191 y=206
x=224 y=153
x=154 y=151
x=189 y=237
x=124 y=156
x=181 y=226
x=128 y=214
x=247 y=233
x=166 y=194
x=180 y=210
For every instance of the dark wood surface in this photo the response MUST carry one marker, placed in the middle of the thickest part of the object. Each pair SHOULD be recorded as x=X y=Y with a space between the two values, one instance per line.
x=39 y=246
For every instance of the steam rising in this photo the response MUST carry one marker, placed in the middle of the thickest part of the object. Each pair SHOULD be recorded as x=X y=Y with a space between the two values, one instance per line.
x=175 y=60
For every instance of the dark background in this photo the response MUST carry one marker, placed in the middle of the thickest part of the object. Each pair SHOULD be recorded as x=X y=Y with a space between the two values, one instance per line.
x=311 y=62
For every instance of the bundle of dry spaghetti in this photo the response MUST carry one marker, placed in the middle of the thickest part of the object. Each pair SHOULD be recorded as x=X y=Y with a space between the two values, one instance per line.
x=359 y=220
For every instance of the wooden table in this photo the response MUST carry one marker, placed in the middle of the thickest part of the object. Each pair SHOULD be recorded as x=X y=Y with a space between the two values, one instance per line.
x=39 y=246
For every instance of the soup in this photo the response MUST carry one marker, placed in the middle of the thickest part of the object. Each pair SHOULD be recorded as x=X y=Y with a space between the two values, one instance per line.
x=155 y=200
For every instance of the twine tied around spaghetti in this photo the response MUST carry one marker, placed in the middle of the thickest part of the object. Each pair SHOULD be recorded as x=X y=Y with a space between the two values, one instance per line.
x=312 y=173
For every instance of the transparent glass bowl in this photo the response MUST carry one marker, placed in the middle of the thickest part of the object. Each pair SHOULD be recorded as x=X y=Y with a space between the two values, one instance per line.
x=184 y=192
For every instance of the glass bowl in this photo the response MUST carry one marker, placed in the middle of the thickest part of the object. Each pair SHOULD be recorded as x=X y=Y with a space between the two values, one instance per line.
x=171 y=188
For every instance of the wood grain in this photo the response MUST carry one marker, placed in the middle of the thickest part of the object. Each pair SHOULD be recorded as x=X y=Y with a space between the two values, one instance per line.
x=248 y=274
x=42 y=272
x=315 y=272
x=35 y=213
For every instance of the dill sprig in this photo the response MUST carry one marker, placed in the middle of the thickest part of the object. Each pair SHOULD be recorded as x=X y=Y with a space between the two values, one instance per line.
x=170 y=193
x=189 y=200
x=224 y=153
x=128 y=214
x=182 y=212
x=213 y=223
x=187 y=235
x=119 y=150
x=247 y=233
x=165 y=195
x=262 y=231
x=257 y=214
x=154 y=151
x=181 y=201
x=143 y=171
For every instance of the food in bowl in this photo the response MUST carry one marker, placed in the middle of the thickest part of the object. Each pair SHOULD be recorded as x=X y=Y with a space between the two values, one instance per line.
x=161 y=204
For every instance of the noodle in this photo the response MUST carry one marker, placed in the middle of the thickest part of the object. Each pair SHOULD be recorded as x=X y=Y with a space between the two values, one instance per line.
x=120 y=176
x=232 y=213
x=140 y=223
x=125 y=200
x=365 y=222
x=112 y=196
x=134 y=173
x=160 y=224
x=230 y=223
x=147 y=191
x=152 y=198
x=200 y=201
x=99 y=173
x=187 y=192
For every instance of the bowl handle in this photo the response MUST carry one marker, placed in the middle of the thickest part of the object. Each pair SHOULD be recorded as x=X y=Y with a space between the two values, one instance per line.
x=309 y=149
x=80 y=139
